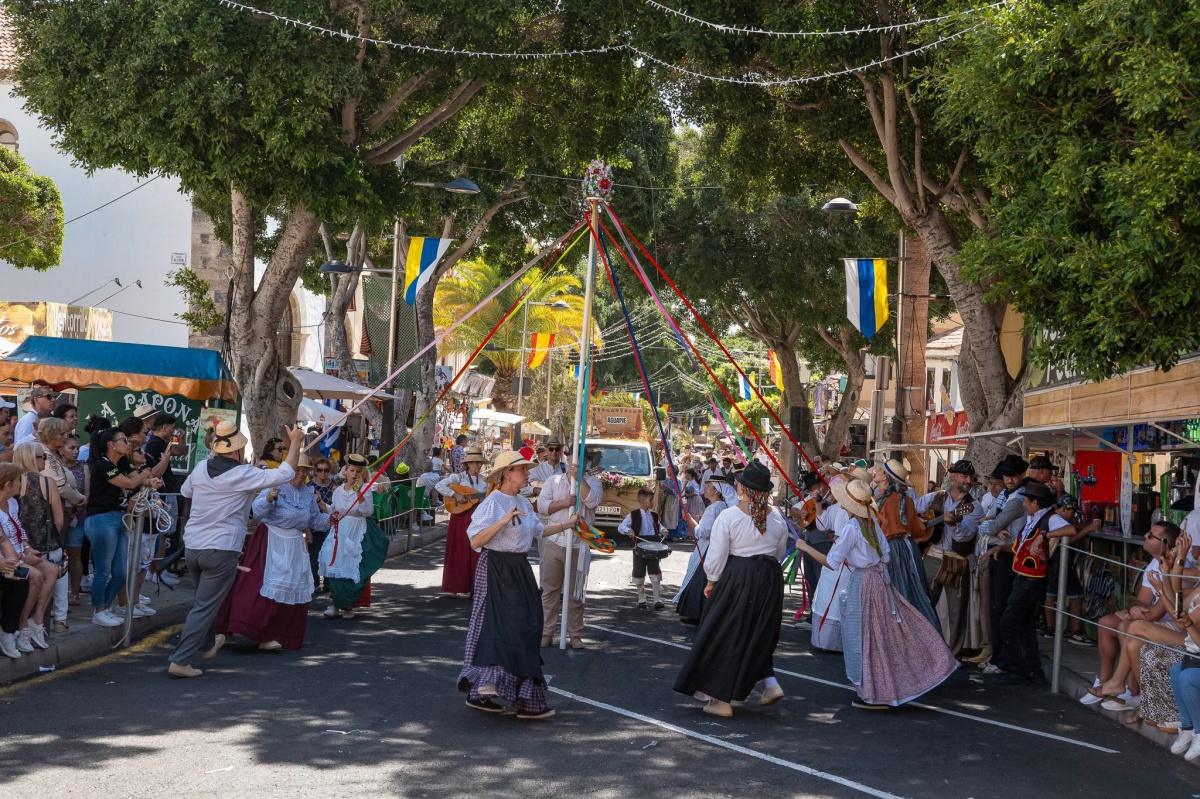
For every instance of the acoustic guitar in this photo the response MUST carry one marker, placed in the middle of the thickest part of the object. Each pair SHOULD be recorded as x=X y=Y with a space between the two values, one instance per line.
x=465 y=498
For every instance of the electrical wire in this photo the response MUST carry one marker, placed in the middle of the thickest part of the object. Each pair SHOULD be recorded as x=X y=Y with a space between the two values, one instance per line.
x=86 y=214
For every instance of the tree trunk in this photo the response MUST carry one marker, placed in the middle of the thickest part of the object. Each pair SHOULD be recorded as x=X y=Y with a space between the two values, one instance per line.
x=345 y=288
x=836 y=432
x=795 y=395
x=269 y=393
x=911 y=375
x=504 y=395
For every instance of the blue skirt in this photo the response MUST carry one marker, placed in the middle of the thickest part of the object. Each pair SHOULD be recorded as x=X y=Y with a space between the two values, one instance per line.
x=908 y=577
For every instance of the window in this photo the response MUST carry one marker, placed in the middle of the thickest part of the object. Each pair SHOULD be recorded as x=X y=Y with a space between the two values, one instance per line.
x=8 y=135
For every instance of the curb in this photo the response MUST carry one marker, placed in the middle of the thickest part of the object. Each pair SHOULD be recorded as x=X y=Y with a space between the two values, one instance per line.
x=94 y=641
x=1074 y=685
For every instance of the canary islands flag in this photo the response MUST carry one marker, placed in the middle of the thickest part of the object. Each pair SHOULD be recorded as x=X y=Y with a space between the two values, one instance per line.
x=866 y=294
x=539 y=347
x=744 y=385
x=423 y=255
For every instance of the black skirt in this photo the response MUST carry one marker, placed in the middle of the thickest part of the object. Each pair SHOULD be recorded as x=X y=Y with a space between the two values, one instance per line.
x=735 y=643
x=691 y=600
x=511 y=625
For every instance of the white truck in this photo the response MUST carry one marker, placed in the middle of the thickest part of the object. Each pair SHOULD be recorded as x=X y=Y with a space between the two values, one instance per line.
x=623 y=453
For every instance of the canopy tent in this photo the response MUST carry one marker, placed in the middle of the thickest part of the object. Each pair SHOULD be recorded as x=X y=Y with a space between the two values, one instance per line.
x=197 y=374
x=322 y=386
x=312 y=411
x=534 y=429
x=486 y=416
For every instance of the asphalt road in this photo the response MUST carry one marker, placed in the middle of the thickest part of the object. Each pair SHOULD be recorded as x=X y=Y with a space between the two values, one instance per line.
x=369 y=707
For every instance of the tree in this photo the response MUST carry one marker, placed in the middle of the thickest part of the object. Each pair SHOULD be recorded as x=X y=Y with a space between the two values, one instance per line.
x=275 y=129
x=771 y=263
x=31 y=215
x=879 y=118
x=1095 y=234
x=477 y=278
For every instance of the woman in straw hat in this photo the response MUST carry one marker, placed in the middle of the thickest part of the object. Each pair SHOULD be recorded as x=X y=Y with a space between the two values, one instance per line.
x=270 y=596
x=220 y=489
x=892 y=656
x=458 y=568
x=899 y=522
x=355 y=547
x=502 y=665
x=735 y=644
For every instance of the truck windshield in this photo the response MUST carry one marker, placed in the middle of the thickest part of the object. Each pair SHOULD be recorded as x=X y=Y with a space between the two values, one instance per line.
x=625 y=459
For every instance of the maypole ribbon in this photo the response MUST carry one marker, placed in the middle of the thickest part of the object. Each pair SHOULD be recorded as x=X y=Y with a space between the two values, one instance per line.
x=637 y=359
x=707 y=329
x=593 y=537
x=631 y=260
x=532 y=262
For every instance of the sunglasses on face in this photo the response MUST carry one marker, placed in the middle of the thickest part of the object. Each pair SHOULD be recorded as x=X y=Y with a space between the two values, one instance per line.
x=553 y=449
x=322 y=470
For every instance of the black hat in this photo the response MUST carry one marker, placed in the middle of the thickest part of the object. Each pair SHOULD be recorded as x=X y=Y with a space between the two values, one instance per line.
x=1042 y=462
x=997 y=471
x=809 y=479
x=1012 y=465
x=962 y=467
x=1035 y=489
x=755 y=477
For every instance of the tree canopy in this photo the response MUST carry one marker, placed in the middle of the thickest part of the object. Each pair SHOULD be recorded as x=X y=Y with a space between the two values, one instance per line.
x=31 y=215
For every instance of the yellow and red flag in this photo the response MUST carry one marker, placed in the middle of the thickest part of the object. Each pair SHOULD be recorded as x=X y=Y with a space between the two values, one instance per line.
x=539 y=348
x=776 y=372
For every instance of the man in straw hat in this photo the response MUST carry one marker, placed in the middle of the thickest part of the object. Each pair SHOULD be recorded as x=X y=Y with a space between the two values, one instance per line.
x=906 y=657
x=949 y=558
x=221 y=490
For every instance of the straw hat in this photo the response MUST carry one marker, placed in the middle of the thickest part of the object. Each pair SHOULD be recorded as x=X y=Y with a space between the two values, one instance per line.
x=354 y=459
x=144 y=411
x=506 y=461
x=305 y=462
x=859 y=473
x=227 y=439
x=855 y=497
x=896 y=470
x=474 y=455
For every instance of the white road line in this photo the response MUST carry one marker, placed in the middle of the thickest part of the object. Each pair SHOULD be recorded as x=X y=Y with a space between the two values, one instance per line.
x=778 y=761
x=922 y=705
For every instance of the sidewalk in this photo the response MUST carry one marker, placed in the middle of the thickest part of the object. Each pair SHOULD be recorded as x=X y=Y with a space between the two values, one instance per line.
x=85 y=640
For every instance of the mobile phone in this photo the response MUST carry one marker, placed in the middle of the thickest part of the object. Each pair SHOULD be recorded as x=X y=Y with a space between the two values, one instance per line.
x=21 y=573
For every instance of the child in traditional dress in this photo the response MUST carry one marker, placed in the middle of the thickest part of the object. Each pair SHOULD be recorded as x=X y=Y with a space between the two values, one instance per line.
x=643 y=525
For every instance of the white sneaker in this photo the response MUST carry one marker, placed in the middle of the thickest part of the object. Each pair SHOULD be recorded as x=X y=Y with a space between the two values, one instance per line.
x=1193 y=752
x=1182 y=741
x=168 y=579
x=23 y=641
x=143 y=599
x=8 y=645
x=330 y=612
x=105 y=618
x=37 y=636
x=144 y=610
x=119 y=612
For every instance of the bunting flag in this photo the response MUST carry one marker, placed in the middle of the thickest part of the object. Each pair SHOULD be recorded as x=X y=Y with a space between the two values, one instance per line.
x=744 y=385
x=866 y=294
x=423 y=255
x=539 y=348
x=776 y=372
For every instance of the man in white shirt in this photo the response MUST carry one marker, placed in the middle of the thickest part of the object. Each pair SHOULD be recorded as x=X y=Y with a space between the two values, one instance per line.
x=556 y=502
x=946 y=563
x=221 y=490
x=41 y=403
x=553 y=464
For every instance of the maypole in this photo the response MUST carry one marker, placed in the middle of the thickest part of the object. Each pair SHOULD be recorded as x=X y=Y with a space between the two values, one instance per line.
x=581 y=397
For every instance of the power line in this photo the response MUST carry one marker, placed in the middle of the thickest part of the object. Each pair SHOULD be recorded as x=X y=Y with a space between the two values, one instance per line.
x=141 y=185
x=748 y=30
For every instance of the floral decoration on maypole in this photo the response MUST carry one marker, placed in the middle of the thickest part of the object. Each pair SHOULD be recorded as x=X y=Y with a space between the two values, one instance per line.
x=597 y=181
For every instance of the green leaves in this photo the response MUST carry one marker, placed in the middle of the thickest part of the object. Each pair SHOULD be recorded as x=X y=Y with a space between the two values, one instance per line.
x=31 y=215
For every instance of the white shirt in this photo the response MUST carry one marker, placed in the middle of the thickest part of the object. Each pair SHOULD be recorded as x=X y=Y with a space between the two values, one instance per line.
x=728 y=492
x=987 y=502
x=705 y=525
x=561 y=486
x=544 y=471
x=26 y=429
x=221 y=505
x=514 y=537
x=1153 y=567
x=833 y=519
x=461 y=479
x=646 y=528
x=734 y=533
x=964 y=530
x=853 y=550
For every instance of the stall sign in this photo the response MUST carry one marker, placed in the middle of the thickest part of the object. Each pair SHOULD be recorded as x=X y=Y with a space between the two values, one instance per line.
x=118 y=404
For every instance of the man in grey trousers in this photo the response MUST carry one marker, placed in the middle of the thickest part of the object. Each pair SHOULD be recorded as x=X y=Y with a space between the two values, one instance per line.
x=221 y=490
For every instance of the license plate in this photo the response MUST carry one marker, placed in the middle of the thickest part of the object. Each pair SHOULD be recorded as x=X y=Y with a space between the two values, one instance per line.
x=609 y=510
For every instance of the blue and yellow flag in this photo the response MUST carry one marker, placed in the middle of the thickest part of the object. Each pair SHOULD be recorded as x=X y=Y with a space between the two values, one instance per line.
x=423 y=255
x=866 y=294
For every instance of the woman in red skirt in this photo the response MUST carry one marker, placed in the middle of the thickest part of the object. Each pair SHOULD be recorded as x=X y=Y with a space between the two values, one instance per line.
x=463 y=488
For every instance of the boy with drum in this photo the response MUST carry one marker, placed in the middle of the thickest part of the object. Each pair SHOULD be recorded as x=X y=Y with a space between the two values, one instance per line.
x=648 y=548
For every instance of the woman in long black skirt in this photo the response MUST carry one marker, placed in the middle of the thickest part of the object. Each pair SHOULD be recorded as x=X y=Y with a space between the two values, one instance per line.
x=502 y=666
x=735 y=644
x=689 y=604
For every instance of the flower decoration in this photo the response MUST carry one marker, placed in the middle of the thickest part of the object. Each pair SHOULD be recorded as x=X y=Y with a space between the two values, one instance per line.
x=598 y=181
x=618 y=481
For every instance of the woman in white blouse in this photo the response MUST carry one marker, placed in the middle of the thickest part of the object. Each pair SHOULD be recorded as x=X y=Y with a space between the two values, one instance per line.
x=458 y=566
x=355 y=547
x=502 y=665
x=689 y=602
x=735 y=644
x=892 y=654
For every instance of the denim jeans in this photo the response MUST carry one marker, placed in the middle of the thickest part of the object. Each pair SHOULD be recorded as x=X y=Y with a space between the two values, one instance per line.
x=1186 y=685
x=108 y=537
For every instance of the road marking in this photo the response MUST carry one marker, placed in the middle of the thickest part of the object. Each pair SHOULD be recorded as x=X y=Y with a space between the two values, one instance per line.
x=743 y=750
x=922 y=705
x=144 y=645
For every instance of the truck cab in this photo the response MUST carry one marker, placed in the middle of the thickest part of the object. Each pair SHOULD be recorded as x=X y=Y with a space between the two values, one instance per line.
x=620 y=458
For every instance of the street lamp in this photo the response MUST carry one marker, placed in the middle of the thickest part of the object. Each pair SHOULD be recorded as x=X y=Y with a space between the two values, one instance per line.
x=558 y=305
x=456 y=186
x=840 y=206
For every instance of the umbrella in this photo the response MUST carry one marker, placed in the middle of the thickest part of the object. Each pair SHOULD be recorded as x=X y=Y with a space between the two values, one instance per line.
x=322 y=386
x=313 y=411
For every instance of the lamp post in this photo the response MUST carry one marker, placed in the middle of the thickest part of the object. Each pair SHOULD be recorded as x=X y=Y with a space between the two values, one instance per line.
x=558 y=305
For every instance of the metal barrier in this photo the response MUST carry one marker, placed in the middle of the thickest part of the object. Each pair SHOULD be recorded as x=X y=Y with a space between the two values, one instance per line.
x=401 y=508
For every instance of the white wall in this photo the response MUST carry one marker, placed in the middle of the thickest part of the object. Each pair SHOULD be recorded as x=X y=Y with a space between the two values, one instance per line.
x=132 y=239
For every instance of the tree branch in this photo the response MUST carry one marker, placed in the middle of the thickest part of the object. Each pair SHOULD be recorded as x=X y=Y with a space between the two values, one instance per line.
x=864 y=166
x=396 y=146
x=390 y=106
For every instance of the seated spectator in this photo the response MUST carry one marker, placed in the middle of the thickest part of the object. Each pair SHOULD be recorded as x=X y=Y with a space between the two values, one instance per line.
x=1185 y=684
x=1118 y=685
x=42 y=573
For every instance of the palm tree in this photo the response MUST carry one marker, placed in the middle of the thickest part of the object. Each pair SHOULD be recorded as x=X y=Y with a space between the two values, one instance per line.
x=475 y=279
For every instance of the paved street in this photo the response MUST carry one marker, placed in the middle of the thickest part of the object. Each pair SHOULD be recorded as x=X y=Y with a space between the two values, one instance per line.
x=369 y=708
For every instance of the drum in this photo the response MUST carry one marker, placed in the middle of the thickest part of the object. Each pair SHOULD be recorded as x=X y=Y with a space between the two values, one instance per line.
x=652 y=550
